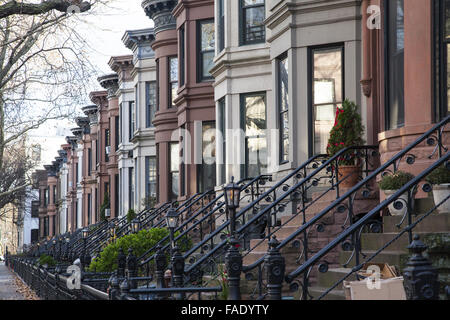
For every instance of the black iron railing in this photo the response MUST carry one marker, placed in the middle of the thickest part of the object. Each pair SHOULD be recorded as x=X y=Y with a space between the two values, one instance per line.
x=345 y=204
x=350 y=238
x=276 y=200
x=205 y=215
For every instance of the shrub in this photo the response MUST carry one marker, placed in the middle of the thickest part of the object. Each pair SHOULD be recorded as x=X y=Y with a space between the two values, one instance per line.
x=346 y=132
x=140 y=242
x=48 y=260
x=440 y=175
x=395 y=181
x=105 y=205
x=131 y=214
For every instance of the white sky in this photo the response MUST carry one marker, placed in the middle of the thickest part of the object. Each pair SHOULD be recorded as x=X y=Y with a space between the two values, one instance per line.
x=103 y=32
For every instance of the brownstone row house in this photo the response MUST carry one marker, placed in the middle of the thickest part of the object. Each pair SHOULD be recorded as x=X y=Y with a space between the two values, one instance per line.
x=273 y=71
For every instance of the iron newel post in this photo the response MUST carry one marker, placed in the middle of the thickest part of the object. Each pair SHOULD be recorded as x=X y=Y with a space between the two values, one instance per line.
x=233 y=258
x=420 y=277
x=177 y=269
x=275 y=267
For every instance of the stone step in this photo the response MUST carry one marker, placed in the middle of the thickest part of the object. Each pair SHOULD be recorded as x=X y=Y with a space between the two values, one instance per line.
x=374 y=241
x=333 y=275
x=335 y=294
x=393 y=258
x=435 y=222
x=295 y=221
x=331 y=195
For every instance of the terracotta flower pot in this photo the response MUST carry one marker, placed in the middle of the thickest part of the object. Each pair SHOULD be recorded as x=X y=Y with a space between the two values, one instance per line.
x=348 y=176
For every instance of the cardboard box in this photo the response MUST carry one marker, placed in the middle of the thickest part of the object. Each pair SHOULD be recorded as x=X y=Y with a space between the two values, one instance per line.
x=385 y=286
x=386 y=271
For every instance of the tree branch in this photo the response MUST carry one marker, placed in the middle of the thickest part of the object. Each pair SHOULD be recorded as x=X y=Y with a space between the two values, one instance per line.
x=13 y=7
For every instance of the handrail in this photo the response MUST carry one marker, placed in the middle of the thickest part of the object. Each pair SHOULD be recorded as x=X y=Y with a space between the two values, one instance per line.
x=430 y=139
x=194 y=216
x=361 y=222
x=278 y=200
x=381 y=169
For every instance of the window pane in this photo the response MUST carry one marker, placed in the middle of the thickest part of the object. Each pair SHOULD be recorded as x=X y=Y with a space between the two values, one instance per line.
x=255 y=115
x=254 y=24
x=395 y=84
x=448 y=78
x=151 y=102
x=284 y=78
x=174 y=90
x=175 y=177
x=283 y=93
x=447 y=19
x=255 y=142
x=207 y=63
x=173 y=69
x=174 y=157
x=327 y=91
x=207 y=31
x=253 y=2
x=208 y=172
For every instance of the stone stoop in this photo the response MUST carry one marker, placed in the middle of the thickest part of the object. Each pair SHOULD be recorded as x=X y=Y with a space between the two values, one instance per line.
x=332 y=224
x=433 y=230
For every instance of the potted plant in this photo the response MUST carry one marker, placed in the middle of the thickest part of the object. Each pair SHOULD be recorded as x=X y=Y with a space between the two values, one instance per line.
x=440 y=179
x=390 y=183
x=346 y=132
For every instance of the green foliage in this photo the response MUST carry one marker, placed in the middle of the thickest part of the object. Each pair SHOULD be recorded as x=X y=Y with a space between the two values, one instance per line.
x=131 y=214
x=149 y=202
x=140 y=242
x=440 y=175
x=105 y=205
x=346 y=132
x=395 y=181
x=48 y=260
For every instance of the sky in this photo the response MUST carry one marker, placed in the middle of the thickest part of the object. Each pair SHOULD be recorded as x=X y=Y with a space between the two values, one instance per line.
x=103 y=32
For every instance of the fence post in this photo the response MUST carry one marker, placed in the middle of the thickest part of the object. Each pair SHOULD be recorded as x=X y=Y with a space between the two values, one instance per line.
x=132 y=268
x=177 y=270
x=121 y=263
x=114 y=290
x=161 y=264
x=420 y=277
x=275 y=268
x=233 y=263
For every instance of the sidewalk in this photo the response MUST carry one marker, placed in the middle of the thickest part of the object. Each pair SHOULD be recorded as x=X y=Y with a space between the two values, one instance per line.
x=8 y=289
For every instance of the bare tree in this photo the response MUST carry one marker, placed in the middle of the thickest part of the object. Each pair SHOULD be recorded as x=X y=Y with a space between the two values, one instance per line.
x=44 y=74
